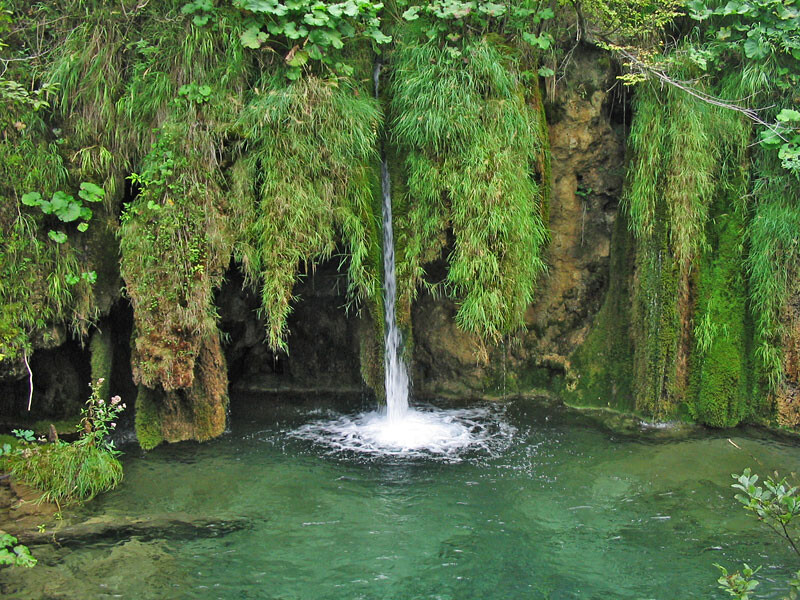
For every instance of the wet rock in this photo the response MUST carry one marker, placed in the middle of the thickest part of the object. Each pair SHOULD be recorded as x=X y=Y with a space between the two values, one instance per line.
x=587 y=150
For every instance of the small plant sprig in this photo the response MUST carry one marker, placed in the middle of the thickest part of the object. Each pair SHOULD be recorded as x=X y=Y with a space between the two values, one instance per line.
x=99 y=419
x=739 y=584
x=775 y=503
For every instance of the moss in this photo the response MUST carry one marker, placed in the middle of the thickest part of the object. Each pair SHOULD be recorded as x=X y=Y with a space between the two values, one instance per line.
x=721 y=386
x=101 y=348
x=682 y=149
x=209 y=399
x=543 y=161
x=198 y=413
x=63 y=426
x=11 y=440
x=655 y=321
x=602 y=367
x=371 y=350
x=148 y=418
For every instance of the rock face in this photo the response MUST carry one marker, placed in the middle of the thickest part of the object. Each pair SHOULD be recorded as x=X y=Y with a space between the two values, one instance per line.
x=587 y=149
x=788 y=398
x=323 y=340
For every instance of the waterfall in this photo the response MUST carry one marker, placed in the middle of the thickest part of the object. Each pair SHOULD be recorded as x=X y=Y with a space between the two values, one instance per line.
x=396 y=375
x=423 y=431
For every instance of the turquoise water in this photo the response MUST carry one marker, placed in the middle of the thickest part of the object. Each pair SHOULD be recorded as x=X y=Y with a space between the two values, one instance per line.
x=563 y=508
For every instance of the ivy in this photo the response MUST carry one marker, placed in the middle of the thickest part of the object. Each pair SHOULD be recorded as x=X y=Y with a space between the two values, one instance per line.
x=67 y=208
x=308 y=32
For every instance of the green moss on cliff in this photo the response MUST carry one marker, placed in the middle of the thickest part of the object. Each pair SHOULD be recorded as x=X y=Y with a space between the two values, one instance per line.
x=683 y=150
x=101 y=348
x=720 y=366
x=603 y=365
x=148 y=419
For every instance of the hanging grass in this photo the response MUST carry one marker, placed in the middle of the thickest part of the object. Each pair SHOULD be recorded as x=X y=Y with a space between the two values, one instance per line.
x=773 y=237
x=308 y=156
x=37 y=276
x=683 y=151
x=471 y=145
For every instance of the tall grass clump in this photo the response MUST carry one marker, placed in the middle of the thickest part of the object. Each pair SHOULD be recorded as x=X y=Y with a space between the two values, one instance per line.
x=78 y=471
x=309 y=151
x=773 y=237
x=470 y=144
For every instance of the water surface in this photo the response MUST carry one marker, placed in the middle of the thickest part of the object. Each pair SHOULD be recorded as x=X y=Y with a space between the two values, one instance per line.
x=564 y=508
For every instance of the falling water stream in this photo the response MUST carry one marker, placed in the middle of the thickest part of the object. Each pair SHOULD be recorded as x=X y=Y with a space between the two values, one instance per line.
x=396 y=374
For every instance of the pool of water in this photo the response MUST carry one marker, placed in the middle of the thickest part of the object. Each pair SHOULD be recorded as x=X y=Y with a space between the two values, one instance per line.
x=560 y=507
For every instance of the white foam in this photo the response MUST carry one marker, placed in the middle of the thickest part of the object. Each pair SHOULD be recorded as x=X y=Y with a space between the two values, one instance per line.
x=427 y=432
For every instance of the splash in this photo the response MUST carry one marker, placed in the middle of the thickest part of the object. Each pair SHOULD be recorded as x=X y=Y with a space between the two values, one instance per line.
x=425 y=432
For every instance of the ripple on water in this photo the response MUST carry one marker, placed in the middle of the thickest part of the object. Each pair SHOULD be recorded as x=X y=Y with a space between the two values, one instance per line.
x=425 y=432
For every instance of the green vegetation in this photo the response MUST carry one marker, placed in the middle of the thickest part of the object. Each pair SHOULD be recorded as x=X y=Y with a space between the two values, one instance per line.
x=14 y=554
x=78 y=471
x=202 y=132
x=715 y=221
x=308 y=161
x=101 y=347
x=466 y=129
x=305 y=32
x=775 y=503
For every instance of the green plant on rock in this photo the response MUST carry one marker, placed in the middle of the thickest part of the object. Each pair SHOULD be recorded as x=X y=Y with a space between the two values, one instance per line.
x=738 y=584
x=521 y=22
x=775 y=503
x=13 y=553
x=174 y=244
x=307 y=171
x=470 y=143
x=684 y=196
x=78 y=471
x=66 y=207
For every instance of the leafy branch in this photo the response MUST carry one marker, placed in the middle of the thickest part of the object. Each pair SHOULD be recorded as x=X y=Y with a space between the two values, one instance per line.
x=776 y=504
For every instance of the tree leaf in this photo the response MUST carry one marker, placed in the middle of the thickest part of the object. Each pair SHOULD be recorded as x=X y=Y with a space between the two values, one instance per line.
x=253 y=37
x=786 y=115
x=297 y=58
x=93 y=193
x=60 y=201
